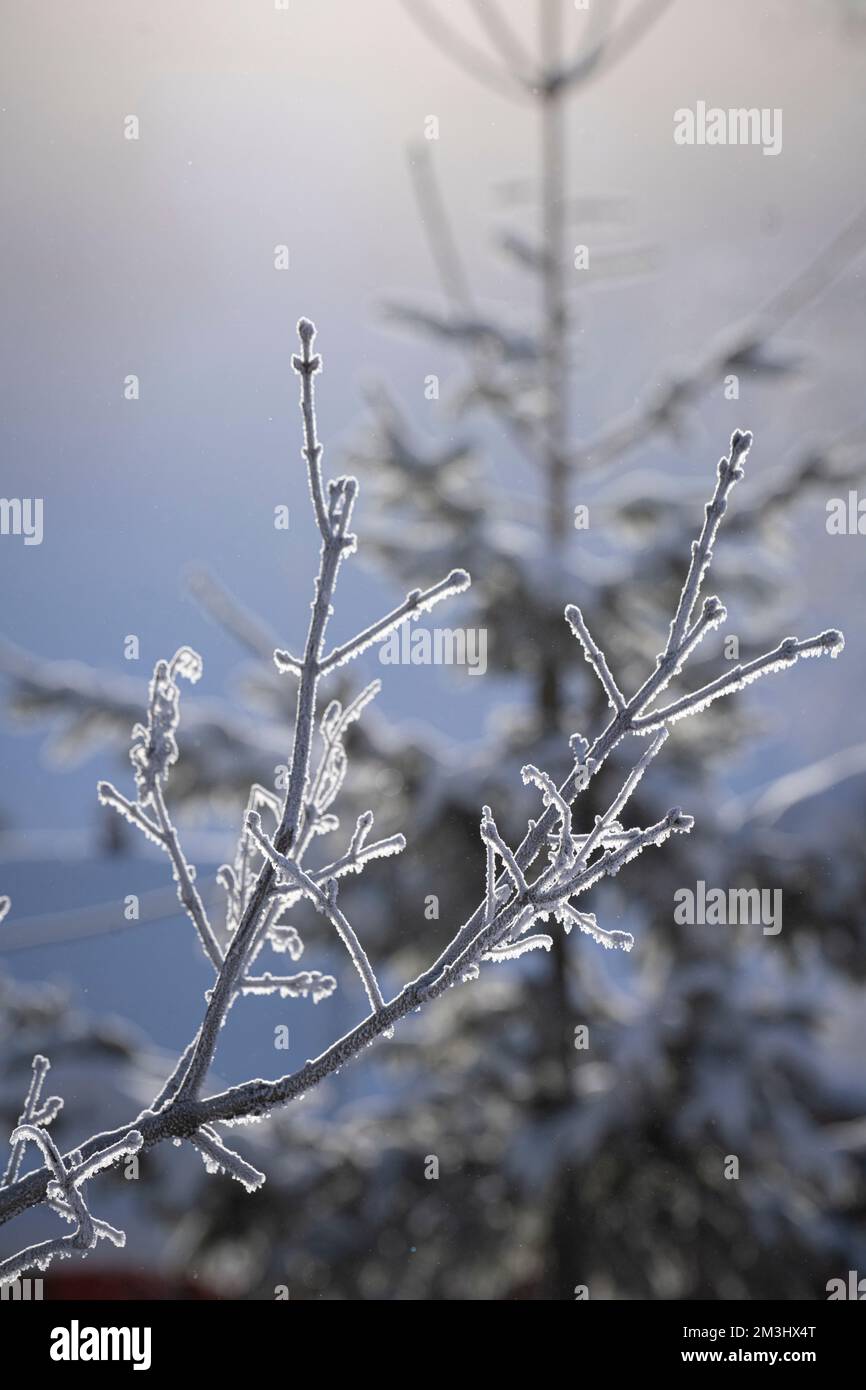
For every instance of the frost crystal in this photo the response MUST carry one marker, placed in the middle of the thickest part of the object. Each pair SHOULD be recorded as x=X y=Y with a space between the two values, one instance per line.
x=154 y=748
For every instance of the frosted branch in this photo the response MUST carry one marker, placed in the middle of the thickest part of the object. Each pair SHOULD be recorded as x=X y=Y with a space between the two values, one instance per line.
x=586 y=922
x=489 y=882
x=108 y=795
x=298 y=986
x=104 y=1158
x=595 y=656
x=154 y=748
x=173 y=1084
x=32 y=1114
x=285 y=661
x=786 y=654
x=352 y=862
x=414 y=604
x=326 y=902
x=610 y=863
x=187 y=893
x=729 y=473
x=63 y=1194
x=219 y=1159
x=306 y=365
x=513 y=950
x=603 y=823
x=490 y=835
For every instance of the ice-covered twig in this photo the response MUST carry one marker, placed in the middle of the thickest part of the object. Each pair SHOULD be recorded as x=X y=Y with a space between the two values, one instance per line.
x=610 y=863
x=109 y=796
x=173 y=1082
x=187 y=892
x=491 y=836
x=306 y=365
x=219 y=1159
x=152 y=754
x=786 y=654
x=355 y=859
x=325 y=899
x=595 y=656
x=63 y=1193
x=729 y=474
x=311 y=982
x=32 y=1114
x=332 y=766
x=88 y=1166
x=713 y=614
x=413 y=605
x=489 y=881
x=586 y=922
x=603 y=823
x=513 y=950
x=285 y=661
x=163 y=832
x=154 y=746
x=551 y=797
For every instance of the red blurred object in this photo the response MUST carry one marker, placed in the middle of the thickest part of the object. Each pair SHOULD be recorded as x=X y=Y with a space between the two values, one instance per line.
x=98 y=1285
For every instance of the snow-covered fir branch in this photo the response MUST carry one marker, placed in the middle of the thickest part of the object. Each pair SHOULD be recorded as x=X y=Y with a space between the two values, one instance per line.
x=523 y=885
